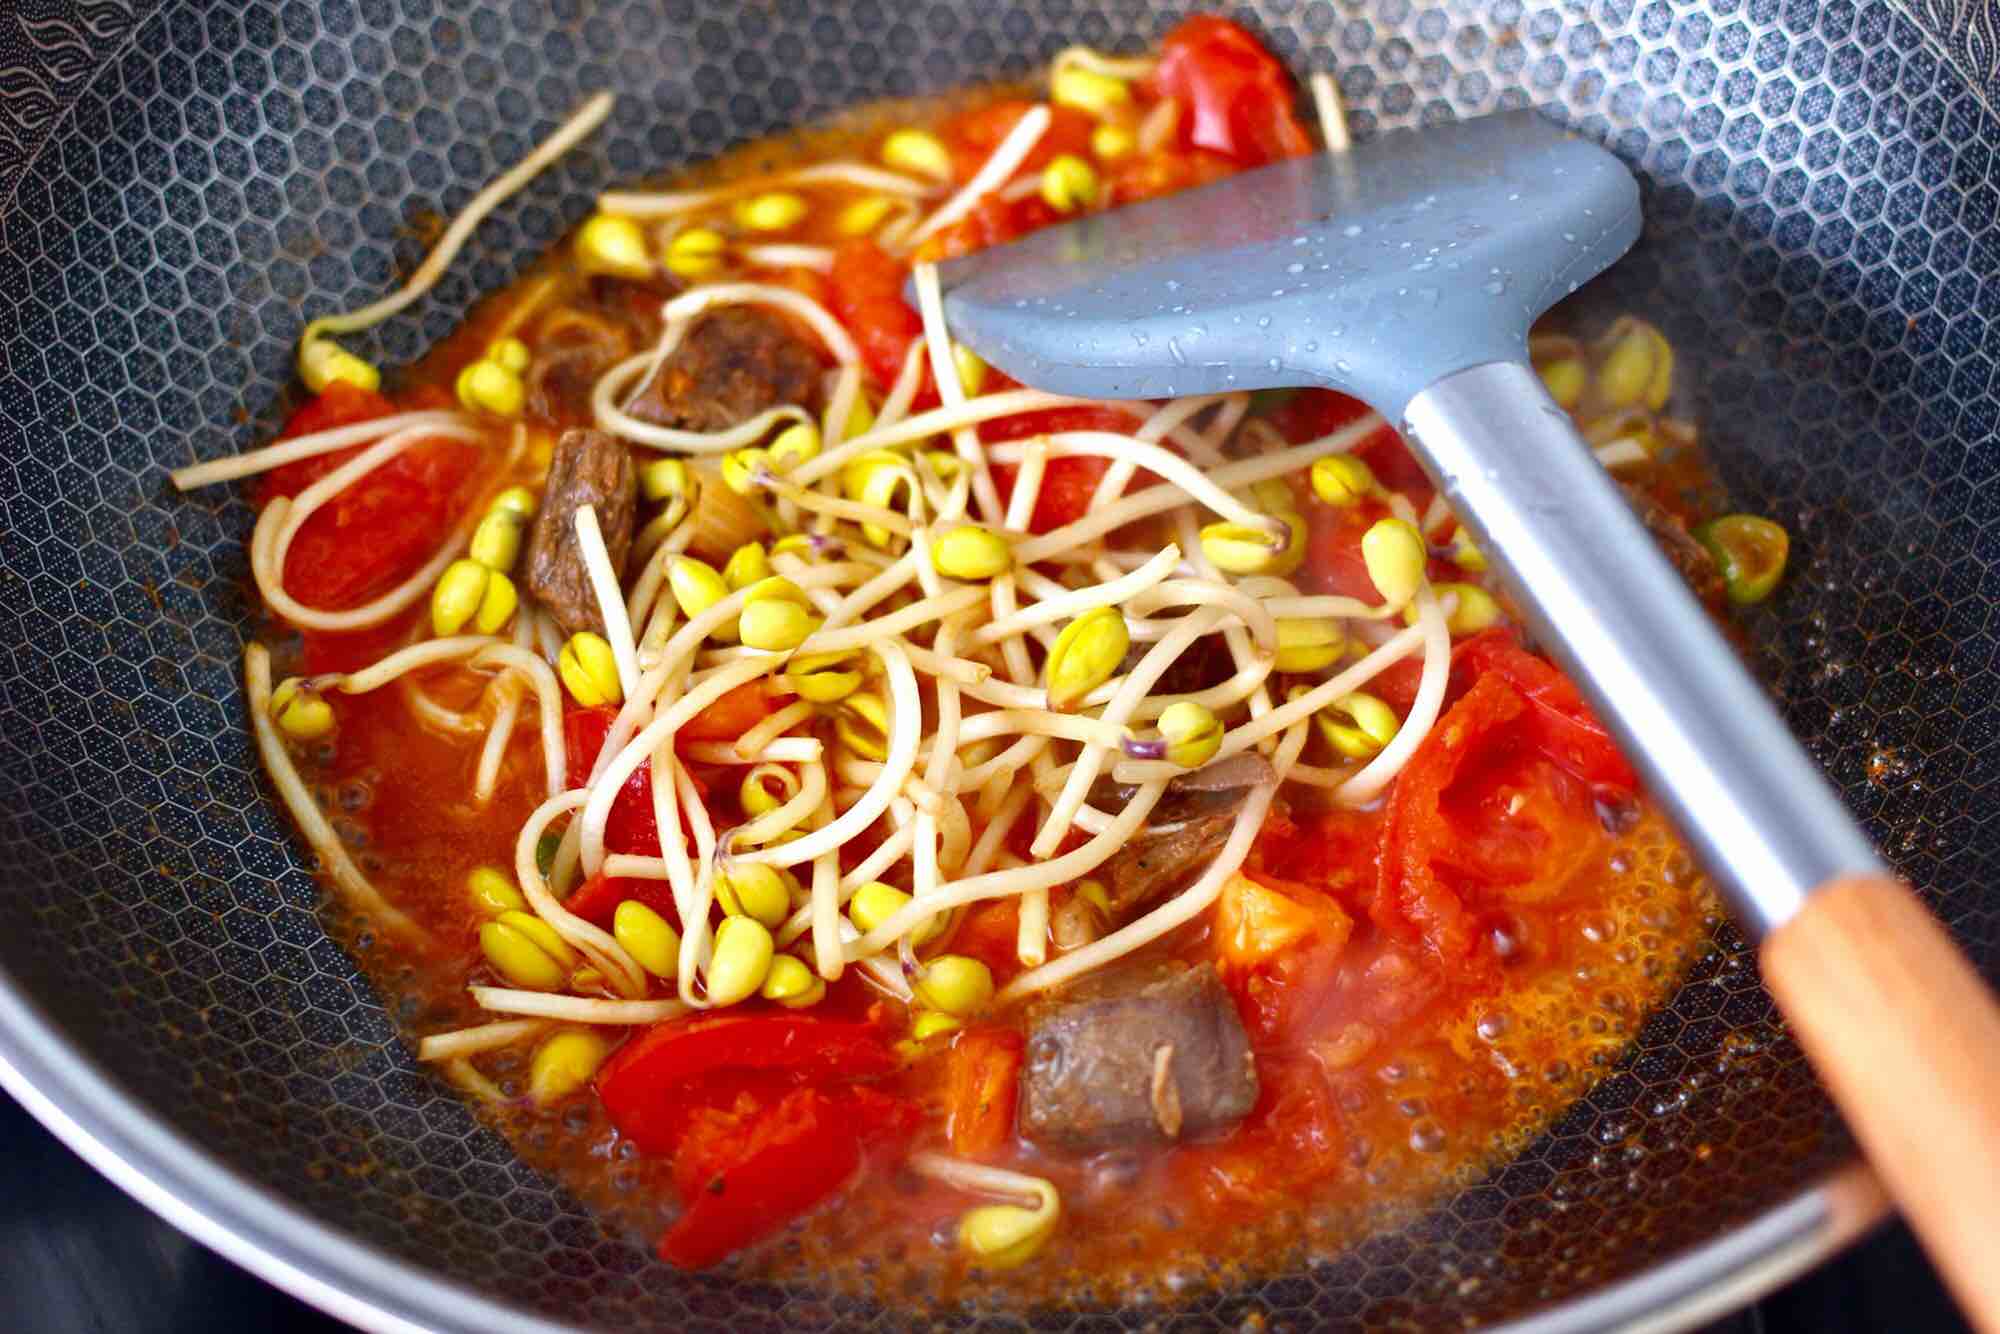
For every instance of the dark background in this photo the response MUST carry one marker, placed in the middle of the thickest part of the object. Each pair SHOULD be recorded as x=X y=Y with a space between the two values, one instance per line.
x=78 y=1257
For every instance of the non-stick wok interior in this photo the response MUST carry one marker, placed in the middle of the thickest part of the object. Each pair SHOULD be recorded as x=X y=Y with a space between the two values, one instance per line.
x=180 y=189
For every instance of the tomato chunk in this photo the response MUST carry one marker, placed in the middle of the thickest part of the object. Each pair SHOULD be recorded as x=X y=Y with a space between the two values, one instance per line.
x=1478 y=818
x=867 y=296
x=631 y=827
x=1565 y=730
x=378 y=531
x=735 y=713
x=748 y=1169
x=982 y=1072
x=1238 y=96
x=654 y=1084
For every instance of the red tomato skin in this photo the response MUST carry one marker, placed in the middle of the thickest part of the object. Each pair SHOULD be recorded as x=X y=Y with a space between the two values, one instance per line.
x=866 y=291
x=1239 y=98
x=631 y=827
x=376 y=532
x=1565 y=729
x=749 y=1170
x=1412 y=901
x=656 y=1081
x=1068 y=483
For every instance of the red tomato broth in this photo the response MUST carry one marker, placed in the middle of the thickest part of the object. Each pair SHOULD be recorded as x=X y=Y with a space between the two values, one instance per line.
x=1395 y=1062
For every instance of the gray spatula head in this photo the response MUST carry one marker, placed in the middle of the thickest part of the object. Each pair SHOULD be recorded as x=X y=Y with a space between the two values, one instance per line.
x=1376 y=272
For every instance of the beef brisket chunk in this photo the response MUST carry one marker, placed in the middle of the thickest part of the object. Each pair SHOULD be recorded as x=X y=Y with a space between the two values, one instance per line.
x=734 y=364
x=588 y=468
x=1151 y=1053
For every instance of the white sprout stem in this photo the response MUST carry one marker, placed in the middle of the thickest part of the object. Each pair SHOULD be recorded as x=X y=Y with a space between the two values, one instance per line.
x=576 y=1009
x=944 y=373
x=819 y=258
x=435 y=715
x=610 y=779
x=497 y=736
x=1159 y=125
x=1003 y=162
x=1332 y=113
x=1193 y=483
x=901 y=394
x=1245 y=735
x=481 y=1038
x=697 y=940
x=266 y=457
x=1039 y=722
x=1117 y=67
x=548 y=693
x=812 y=790
x=1159 y=499
x=610 y=601
x=824 y=908
x=994 y=837
x=761 y=737
x=361 y=897
x=667 y=204
x=898 y=622
x=1071 y=603
x=906 y=725
x=414 y=657
x=840 y=403
x=571 y=132
x=979 y=1179
x=983 y=777
x=1117 y=713
x=1379 y=772
x=936 y=421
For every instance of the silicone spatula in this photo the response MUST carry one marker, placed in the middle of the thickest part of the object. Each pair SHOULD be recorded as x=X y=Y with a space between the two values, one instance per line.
x=1406 y=272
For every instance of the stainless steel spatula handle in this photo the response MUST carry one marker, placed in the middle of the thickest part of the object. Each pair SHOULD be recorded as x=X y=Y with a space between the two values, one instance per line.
x=1606 y=602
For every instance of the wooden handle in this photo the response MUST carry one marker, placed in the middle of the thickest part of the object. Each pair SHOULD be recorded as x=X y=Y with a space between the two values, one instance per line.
x=1906 y=1036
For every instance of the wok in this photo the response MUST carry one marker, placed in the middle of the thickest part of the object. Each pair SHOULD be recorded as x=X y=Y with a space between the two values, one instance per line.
x=183 y=185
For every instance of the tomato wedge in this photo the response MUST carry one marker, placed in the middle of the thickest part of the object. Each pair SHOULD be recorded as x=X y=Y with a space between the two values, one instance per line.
x=653 y=1085
x=1478 y=818
x=631 y=826
x=867 y=296
x=1239 y=97
x=748 y=1169
x=376 y=532
x=982 y=1071
x=1564 y=729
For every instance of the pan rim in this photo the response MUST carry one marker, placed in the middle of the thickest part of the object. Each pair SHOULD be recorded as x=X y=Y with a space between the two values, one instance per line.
x=318 y=1263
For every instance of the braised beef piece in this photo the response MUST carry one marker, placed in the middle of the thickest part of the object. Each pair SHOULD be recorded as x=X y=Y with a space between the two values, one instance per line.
x=1688 y=556
x=615 y=317
x=588 y=468
x=1182 y=834
x=1148 y=1053
x=734 y=364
